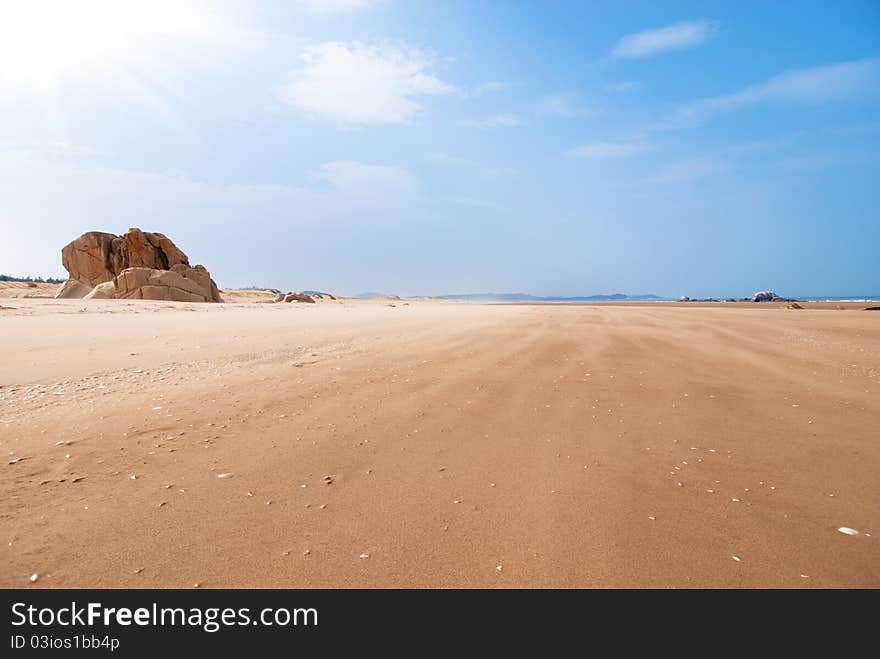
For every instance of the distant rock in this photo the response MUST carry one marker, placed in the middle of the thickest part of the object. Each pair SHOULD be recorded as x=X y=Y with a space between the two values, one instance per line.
x=299 y=297
x=137 y=265
x=765 y=296
x=684 y=298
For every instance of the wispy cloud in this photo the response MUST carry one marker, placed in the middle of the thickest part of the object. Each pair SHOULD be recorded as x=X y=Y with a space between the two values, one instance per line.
x=606 y=150
x=660 y=40
x=816 y=85
x=561 y=105
x=624 y=86
x=500 y=120
x=353 y=177
x=492 y=86
x=337 y=6
x=687 y=170
x=470 y=166
x=476 y=203
x=361 y=84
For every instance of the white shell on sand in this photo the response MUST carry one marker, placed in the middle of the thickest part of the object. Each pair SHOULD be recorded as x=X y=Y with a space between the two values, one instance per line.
x=848 y=531
x=364 y=556
x=34 y=577
x=736 y=558
x=228 y=474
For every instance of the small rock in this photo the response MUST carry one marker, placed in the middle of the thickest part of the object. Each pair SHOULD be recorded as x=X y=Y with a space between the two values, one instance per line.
x=736 y=558
x=848 y=531
x=226 y=475
x=364 y=556
x=34 y=577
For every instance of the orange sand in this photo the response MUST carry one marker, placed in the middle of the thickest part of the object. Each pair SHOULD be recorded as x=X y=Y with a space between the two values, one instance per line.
x=571 y=446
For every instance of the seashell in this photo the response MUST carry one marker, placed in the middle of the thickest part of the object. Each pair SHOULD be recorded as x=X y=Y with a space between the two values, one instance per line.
x=225 y=475
x=848 y=531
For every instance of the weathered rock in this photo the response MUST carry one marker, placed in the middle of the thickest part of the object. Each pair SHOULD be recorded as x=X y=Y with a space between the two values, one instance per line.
x=73 y=288
x=105 y=291
x=150 y=284
x=764 y=296
x=279 y=298
x=100 y=266
x=298 y=297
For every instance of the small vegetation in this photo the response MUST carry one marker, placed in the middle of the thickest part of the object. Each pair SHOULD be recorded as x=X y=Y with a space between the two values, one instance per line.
x=32 y=280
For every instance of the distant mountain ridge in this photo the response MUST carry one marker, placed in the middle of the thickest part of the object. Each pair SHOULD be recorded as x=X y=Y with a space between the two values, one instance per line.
x=525 y=297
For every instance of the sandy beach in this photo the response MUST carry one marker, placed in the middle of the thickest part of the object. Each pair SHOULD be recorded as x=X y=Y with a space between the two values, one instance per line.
x=423 y=444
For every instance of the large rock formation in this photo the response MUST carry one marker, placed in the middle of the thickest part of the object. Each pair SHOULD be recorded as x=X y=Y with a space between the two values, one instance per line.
x=136 y=265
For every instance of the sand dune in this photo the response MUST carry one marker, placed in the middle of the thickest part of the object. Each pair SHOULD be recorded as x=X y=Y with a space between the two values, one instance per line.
x=437 y=445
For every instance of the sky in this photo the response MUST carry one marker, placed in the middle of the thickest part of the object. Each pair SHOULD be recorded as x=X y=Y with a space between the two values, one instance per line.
x=426 y=148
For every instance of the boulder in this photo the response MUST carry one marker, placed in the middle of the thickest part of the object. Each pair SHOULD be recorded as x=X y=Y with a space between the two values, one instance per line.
x=105 y=291
x=298 y=297
x=101 y=266
x=176 y=285
x=73 y=288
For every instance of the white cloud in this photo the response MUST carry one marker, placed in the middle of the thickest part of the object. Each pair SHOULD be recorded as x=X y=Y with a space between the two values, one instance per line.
x=500 y=120
x=492 y=86
x=337 y=6
x=560 y=105
x=805 y=86
x=469 y=166
x=685 y=171
x=605 y=150
x=351 y=176
x=673 y=37
x=361 y=84
x=625 y=86
x=204 y=218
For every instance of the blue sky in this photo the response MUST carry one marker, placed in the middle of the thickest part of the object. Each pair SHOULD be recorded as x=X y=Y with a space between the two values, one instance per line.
x=419 y=147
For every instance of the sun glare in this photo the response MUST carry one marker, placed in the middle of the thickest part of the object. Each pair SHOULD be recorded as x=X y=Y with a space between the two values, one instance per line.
x=42 y=42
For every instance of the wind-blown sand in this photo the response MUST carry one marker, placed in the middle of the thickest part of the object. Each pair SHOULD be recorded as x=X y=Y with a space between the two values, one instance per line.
x=467 y=445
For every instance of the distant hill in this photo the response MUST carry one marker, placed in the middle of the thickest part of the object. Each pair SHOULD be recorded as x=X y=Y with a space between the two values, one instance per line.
x=525 y=297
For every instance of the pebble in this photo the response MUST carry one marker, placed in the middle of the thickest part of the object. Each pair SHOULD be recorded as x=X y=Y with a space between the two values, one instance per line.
x=651 y=517
x=34 y=577
x=499 y=567
x=736 y=558
x=364 y=556
x=848 y=531
x=226 y=475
